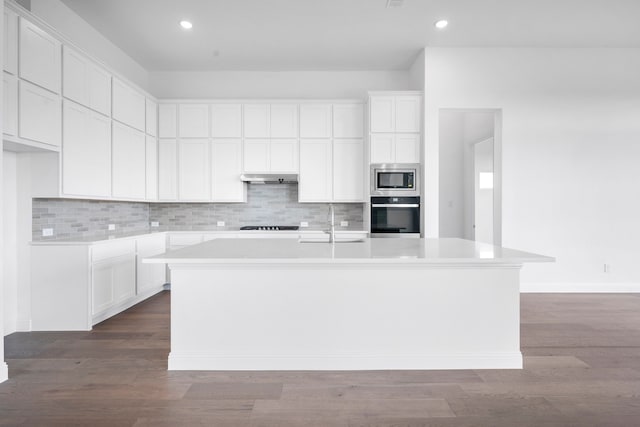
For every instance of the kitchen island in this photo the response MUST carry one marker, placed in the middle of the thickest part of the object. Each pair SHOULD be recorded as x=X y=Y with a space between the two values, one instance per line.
x=282 y=304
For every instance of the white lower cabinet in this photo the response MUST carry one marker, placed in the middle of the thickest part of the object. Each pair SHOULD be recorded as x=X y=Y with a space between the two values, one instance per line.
x=75 y=286
x=128 y=162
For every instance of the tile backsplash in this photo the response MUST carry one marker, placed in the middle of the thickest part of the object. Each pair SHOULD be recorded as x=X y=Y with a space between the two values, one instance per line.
x=266 y=205
x=271 y=204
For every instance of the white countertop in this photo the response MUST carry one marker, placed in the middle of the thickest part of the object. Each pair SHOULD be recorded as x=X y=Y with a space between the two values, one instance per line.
x=370 y=251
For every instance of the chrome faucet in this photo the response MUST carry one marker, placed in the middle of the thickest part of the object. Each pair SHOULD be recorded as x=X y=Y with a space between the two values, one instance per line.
x=332 y=224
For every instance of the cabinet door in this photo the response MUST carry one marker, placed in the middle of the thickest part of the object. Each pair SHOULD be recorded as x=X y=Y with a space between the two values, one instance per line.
x=86 y=152
x=124 y=278
x=257 y=121
x=10 y=42
x=408 y=117
x=40 y=115
x=283 y=155
x=382 y=113
x=348 y=170
x=315 y=179
x=10 y=105
x=128 y=105
x=150 y=276
x=74 y=76
x=284 y=121
x=168 y=169
x=99 y=89
x=193 y=120
x=383 y=148
x=101 y=287
x=151 y=168
x=167 y=120
x=315 y=121
x=226 y=167
x=348 y=120
x=193 y=169
x=226 y=120
x=151 y=124
x=407 y=148
x=256 y=155
x=39 y=57
x=129 y=161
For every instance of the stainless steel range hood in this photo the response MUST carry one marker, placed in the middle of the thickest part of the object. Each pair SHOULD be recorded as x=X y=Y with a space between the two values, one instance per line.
x=269 y=178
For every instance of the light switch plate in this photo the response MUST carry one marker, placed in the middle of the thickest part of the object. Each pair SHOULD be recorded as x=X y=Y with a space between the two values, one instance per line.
x=304 y=224
x=47 y=232
x=112 y=227
x=155 y=224
x=220 y=223
x=344 y=223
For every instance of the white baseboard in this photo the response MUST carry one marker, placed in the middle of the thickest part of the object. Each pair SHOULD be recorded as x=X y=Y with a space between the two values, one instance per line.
x=4 y=372
x=502 y=360
x=578 y=287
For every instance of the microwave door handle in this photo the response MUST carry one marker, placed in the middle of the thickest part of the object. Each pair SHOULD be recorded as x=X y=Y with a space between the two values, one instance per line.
x=391 y=205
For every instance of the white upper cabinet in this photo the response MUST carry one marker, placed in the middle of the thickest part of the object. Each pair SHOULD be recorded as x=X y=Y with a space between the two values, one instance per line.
x=315 y=121
x=129 y=163
x=193 y=169
x=10 y=105
x=10 y=42
x=284 y=120
x=84 y=82
x=39 y=57
x=257 y=121
x=226 y=167
x=408 y=113
x=152 y=117
x=315 y=181
x=348 y=170
x=40 y=115
x=167 y=120
x=128 y=105
x=348 y=120
x=383 y=149
x=382 y=114
x=86 y=152
x=256 y=155
x=226 y=120
x=193 y=120
x=167 y=169
x=283 y=155
x=407 y=148
x=151 y=168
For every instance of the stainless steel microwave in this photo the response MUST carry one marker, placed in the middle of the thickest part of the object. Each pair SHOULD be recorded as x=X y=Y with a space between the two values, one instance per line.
x=395 y=179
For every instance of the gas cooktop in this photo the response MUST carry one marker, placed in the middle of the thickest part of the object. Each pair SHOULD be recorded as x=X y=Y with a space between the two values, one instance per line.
x=270 y=227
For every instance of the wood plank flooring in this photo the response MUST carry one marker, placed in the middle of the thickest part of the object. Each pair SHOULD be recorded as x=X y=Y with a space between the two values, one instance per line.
x=582 y=369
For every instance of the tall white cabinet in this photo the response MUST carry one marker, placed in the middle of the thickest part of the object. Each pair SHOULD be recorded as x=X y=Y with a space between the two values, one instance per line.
x=395 y=124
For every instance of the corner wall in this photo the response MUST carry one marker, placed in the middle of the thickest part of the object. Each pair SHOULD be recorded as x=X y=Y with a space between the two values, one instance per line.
x=570 y=155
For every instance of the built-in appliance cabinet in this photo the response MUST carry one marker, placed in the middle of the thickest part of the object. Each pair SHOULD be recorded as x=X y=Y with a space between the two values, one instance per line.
x=395 y=120
x=75 y=286
x=332 y=153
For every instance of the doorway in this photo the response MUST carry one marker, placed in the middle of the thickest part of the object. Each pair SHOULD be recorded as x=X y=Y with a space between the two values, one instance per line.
x=470 y=174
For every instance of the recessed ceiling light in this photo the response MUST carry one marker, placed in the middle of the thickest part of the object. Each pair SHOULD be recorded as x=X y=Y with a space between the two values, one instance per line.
x=186 y=25
x=441 y=24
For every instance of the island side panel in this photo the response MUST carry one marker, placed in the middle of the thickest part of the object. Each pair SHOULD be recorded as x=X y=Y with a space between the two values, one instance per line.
x=328 y=317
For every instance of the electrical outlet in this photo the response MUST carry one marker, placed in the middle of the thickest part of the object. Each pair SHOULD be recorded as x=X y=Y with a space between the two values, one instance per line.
x=46 y=232
x=607 y=268
x=344 y=223
x=155 y=224
x=220 y=223
x=112 y=227
x=304 y=224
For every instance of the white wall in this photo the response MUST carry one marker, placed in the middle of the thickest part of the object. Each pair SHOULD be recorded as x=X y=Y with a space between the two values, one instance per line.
x=9 y=244
x=274 y=84
x=4 y=370
x=570 y=143
x=416 y=72
x=83 y=35
x=452 y=174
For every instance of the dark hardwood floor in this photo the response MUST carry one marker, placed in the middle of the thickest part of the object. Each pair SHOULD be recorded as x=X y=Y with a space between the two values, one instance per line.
x=582 y=369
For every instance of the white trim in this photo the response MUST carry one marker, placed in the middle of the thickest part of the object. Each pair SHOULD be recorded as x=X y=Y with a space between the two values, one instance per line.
x=579 y=287
x=187 y=362
x=23 y=326
x=4 y=372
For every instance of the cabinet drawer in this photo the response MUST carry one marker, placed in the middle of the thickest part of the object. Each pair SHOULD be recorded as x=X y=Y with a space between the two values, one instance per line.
x=112 y=249
x=151 y=244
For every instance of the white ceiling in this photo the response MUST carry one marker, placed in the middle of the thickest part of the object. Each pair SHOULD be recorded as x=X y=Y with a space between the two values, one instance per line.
x=346 y=34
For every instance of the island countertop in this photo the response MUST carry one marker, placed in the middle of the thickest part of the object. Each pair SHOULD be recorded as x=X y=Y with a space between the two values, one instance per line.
x=368 y=251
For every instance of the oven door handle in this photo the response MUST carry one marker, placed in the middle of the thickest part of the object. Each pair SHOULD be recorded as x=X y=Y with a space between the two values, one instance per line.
x=391 y=205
